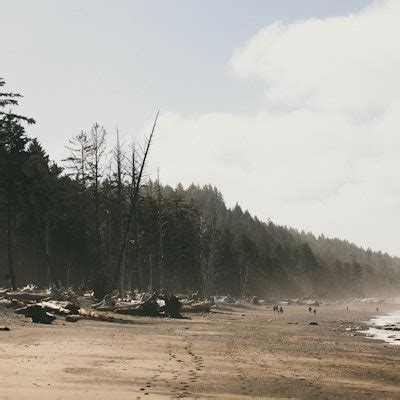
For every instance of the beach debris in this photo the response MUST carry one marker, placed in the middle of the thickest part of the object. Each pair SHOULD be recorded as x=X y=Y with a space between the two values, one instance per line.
x=228 y=300
x=41 y=304
x=56 y=293
x=173 y=307
x=97 y=316
x=37 y=313
x=154 y=305
x=306 y=301
x=27 y=296
x=373 y=300
x=73 y=318
x=60 y=307
x=148 y=308
x=313 y=323
x=4 y=329
x=107 y=304
x=203 y=306
x=254 y=300
x=30 y=288
x=5 y=303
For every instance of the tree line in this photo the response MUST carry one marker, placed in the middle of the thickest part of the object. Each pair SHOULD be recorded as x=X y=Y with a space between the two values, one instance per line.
x=94 y=221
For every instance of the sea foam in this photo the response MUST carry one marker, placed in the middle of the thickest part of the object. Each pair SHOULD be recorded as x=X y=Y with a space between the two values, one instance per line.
x=385 y=327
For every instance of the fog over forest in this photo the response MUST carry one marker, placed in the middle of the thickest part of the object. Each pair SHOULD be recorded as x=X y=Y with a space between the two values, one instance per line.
x=95 y=220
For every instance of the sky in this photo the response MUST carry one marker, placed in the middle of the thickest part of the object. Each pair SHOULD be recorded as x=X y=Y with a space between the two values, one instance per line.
x=290 y=108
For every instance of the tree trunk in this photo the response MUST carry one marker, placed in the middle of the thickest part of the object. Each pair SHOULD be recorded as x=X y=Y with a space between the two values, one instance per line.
x=150 y=274
x=34 y=256
x=11 y=270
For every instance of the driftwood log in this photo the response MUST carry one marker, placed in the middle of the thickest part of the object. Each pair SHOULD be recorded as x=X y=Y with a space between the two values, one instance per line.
x=4 y=329
x=173 y=307
x=37 y=313
x=95 y=316
x=26 y=296
x=204 y=306
x=60 y=307
x=148 y=308
x=154 y=306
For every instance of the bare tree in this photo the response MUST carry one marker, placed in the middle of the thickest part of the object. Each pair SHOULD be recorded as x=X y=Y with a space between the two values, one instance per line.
x=133 y=201
x=119 y=158
x=96 y=154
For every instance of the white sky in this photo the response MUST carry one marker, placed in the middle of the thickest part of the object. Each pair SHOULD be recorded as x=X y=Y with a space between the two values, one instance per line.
x=290 y=108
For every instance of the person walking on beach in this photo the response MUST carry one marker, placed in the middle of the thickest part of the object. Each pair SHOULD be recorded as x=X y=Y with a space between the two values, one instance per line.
x=315 y=311
x=309 y=309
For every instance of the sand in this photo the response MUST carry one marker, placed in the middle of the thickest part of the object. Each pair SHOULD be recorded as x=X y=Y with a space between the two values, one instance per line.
x=237 y=353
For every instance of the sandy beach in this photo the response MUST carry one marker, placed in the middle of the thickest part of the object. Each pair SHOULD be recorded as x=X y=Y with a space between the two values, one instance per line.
x=233 y=353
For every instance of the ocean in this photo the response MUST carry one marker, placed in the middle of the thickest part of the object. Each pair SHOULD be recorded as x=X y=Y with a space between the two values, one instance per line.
x=385 y=327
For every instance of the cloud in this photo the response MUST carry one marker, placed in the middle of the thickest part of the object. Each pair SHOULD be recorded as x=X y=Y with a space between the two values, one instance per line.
x=343 y=63
x=322 y=152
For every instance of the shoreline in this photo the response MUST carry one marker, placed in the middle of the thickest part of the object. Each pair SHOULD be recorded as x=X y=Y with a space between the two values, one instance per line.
x=234 y=353
x=385 y=328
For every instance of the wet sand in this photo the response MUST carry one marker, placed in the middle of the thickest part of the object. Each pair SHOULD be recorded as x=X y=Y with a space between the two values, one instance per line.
x=237 y=353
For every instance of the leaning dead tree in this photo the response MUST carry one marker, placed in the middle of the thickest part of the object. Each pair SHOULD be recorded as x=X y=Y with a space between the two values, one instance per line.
x=133 y=204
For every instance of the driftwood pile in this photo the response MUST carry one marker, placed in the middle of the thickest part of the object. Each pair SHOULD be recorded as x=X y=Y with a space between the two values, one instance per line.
x=43 y=306
x=155 y=305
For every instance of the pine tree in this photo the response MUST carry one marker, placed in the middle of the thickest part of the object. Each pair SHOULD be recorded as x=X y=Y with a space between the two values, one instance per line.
x=13 y=142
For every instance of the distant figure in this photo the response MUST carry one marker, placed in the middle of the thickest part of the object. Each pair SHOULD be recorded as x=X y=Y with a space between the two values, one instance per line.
x=315 y=311
x=377 y=309
x=347 y=308
x=280 y=310
x=309 y=309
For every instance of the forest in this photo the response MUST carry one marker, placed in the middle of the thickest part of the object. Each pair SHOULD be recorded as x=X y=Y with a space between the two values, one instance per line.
x=94 y=220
